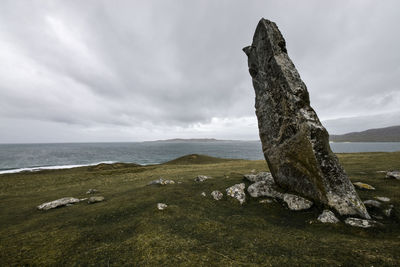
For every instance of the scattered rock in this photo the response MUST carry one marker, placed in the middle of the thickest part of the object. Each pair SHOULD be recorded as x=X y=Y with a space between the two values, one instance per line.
x=58 y=203
x=363 y=186
x=217 y=195
x=328 y=216
x=262 y=176
x=389 y=211
x=203 y=194
x=96 y=199
x=372 y=203
x=263 y=189
x=237 y=191
x=393 y=175
x=296 y=203
x=201 y=178
x=161 y=181
x=91 y=191
x=161 y=206
x=383 y=199
x=295 y=144
x=263 y=201
x=361 y=222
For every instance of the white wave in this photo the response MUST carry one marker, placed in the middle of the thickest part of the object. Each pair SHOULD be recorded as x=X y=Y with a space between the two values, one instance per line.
x=58 y=167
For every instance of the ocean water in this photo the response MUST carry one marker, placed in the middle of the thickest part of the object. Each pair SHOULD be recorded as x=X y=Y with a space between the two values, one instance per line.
x=31 y=157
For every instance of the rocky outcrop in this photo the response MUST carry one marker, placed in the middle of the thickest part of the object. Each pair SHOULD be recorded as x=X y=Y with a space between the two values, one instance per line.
x=393 y=175
x=363 y=186
x=237 y=191
x=295 y=144
x=217 y=195
x=328 y=216
x=58 y=203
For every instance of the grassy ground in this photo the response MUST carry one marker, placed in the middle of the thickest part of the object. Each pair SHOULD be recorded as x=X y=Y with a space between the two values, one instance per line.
x=127 y=229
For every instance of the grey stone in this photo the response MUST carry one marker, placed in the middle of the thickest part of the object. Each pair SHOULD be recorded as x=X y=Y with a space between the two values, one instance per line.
x=91 y=191
x=237 y=191
x=262 y=176
x=372 y=203
x=393 y=175
x=296 y=203
x=383 y=199
x=161 y=206
x=96 y=199
x=161 y=181
x=203 y=194
x=201 y=178
x=58 y=203
x=217 y=195
x=263 y=201
x=264 y=189
x=356 y=222
x=294 y=142
x=328 y=216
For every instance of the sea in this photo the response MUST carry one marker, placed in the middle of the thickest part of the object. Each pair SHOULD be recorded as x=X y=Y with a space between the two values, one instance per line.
x=34 y=157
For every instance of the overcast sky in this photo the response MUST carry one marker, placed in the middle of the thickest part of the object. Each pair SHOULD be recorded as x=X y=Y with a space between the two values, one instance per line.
x=78 y=71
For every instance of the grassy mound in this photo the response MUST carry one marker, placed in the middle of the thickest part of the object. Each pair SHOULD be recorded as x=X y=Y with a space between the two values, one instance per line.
x=127 y=228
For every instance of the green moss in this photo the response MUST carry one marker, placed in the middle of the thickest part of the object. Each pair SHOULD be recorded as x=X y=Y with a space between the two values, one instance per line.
x=127 y=228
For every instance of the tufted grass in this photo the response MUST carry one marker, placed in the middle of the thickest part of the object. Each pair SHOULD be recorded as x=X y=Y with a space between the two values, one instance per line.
x=127 y=229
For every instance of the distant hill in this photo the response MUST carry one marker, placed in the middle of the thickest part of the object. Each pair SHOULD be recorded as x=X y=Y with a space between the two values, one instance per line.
x=188 y=140
x=387 y=134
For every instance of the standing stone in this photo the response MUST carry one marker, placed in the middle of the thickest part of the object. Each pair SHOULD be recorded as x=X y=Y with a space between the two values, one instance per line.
x=295 y=144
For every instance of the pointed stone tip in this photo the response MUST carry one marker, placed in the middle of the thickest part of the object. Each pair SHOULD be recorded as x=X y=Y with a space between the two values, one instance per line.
x=247 y=50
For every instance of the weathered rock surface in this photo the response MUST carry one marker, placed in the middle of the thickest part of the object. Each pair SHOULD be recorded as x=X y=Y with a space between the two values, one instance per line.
x=264 y=189
x=296 y=203
x=161 y=206
x=58 y=203
x=237 y=191
x=295 y=144
x=328 y=216
x=96 y=199
x=361 y=222
x=201 y=178
x=363 y=186
x=217 y=195
x=393 y=175
x=372 y=203
x=161 y=181
x=262 y=176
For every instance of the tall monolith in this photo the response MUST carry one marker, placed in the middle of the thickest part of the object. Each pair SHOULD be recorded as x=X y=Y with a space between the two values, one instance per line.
x=294 y=142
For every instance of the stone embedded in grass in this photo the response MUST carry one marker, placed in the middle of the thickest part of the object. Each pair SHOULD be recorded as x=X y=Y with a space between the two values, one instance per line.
x=201 y=178
x=58 y=203
x=328 y=216
x=91 y=191
x=203 y=194
x=262 y=176
x=372 y=203
x=237 y=191
x=217 y=195
x=161 y=181
x=161 y=206
x=383 y=199
x=296 y=202
x=363 y=186
x=393 y=175
x=96 y=199
x=356 y=222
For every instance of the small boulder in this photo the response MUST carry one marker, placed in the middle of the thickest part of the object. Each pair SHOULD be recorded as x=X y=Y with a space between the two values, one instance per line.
x=356 y=222
x=161 y=206
x=263 y=189
x=328 y=216
x=201 y=178
x=363 y=186
x=262 y=176
x=91 y=191
x=393 y=175
x=383 y=199
x=58 y=203
x=203 y=194
x=96 y=199
x=217 y=195
x=161 y=181
x=372 y=203
x=296 y=202
x=237 y=191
